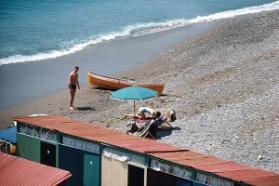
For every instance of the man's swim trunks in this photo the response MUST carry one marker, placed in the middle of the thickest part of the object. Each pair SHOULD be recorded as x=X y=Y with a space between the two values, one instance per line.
x=72 y=86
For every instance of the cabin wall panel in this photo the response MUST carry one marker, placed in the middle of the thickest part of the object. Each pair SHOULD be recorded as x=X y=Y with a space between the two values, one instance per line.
x=114 y=172
x=28 y=147
x=23 y=146
x=34 y=149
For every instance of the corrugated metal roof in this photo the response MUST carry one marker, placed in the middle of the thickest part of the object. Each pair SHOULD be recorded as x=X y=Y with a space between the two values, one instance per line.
x=15 y=171
x=95 y=133
x=226 y=169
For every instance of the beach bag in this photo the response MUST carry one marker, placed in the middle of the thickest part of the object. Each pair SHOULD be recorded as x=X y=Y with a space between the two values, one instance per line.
x=134 y=128
x=173 y=116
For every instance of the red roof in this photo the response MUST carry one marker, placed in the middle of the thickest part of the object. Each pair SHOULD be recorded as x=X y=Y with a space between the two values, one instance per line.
x=95 y=133
x=226 y=169
x=18 y=171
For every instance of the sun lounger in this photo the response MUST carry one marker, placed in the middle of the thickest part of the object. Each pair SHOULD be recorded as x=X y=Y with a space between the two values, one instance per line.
x=151 y=127
x=142 y=130
x=145 y=132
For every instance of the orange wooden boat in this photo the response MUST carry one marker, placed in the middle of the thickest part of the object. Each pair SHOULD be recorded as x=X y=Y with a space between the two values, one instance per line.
x=111 y=83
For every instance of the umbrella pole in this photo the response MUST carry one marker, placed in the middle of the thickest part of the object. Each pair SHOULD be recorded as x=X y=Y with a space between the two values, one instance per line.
x=134 y=109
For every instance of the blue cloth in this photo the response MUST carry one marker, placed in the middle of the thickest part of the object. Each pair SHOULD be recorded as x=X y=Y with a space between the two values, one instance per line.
x=9 y=134
x=159 y=121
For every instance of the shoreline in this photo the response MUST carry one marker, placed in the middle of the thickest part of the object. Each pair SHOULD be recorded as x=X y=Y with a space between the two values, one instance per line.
x=25 y=82
x=223 y=84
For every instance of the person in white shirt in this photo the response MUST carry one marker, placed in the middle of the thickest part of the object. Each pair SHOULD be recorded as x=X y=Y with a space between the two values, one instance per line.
x=145 y=113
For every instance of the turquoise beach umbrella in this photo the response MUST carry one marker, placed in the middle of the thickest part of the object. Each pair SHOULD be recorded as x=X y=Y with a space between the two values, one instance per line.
x=133 y=93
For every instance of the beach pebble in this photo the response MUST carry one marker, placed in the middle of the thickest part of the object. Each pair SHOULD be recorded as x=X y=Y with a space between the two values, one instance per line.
x=223 y=86
x=260 y=157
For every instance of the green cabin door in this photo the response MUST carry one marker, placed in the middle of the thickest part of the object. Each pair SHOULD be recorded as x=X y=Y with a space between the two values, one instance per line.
x=23 y=146
x=91 y=170
x=35 y=149
x=28 y=147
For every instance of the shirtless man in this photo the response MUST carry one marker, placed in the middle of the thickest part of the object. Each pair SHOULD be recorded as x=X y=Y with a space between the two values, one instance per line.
x=73 y=85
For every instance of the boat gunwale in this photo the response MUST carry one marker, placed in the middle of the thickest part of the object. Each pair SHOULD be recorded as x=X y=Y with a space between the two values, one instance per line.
x=126 y=80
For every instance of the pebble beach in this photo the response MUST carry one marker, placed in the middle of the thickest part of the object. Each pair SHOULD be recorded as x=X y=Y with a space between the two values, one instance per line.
x=223 y=85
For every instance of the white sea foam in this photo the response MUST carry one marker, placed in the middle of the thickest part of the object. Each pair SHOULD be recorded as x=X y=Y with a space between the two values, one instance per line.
x=141 y=29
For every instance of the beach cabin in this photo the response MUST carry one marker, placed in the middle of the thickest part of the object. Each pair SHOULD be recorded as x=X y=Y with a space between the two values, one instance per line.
x=63 y=150
x=81 y=158
x=100 y=156
x=178 y=168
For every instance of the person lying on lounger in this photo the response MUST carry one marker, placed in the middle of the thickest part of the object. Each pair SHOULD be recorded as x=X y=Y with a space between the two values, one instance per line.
x=162 y=122
x=145 y=113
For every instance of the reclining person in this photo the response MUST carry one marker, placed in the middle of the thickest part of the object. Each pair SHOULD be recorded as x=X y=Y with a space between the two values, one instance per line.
x=162 y=122
x=145 y=113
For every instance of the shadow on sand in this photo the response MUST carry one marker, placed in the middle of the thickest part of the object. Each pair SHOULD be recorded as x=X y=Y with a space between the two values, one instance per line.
x=166 y=132
x=85 y=108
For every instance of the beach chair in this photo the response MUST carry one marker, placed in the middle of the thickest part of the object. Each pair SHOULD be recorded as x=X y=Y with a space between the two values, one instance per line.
x=136 y=126
x=143 y=131
x=146 y=131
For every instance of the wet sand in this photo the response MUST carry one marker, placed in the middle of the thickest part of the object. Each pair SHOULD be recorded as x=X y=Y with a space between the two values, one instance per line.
x=223 y=84
x=25 y=82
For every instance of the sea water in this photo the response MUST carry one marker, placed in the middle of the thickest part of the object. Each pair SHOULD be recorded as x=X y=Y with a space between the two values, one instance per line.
x=33 y=30
x=103 y=36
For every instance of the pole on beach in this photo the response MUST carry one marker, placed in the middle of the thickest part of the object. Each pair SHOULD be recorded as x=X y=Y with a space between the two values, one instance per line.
x=134 y=93
x=134 y=109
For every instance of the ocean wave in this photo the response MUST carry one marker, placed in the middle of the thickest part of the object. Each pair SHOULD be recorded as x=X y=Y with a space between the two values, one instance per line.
x=140 y=29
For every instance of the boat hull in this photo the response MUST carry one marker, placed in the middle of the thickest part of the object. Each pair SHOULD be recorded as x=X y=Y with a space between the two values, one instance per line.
x=104 y=82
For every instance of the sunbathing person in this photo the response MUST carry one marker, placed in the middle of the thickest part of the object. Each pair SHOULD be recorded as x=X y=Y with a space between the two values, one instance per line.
x=145 y=113
x=162 y=122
